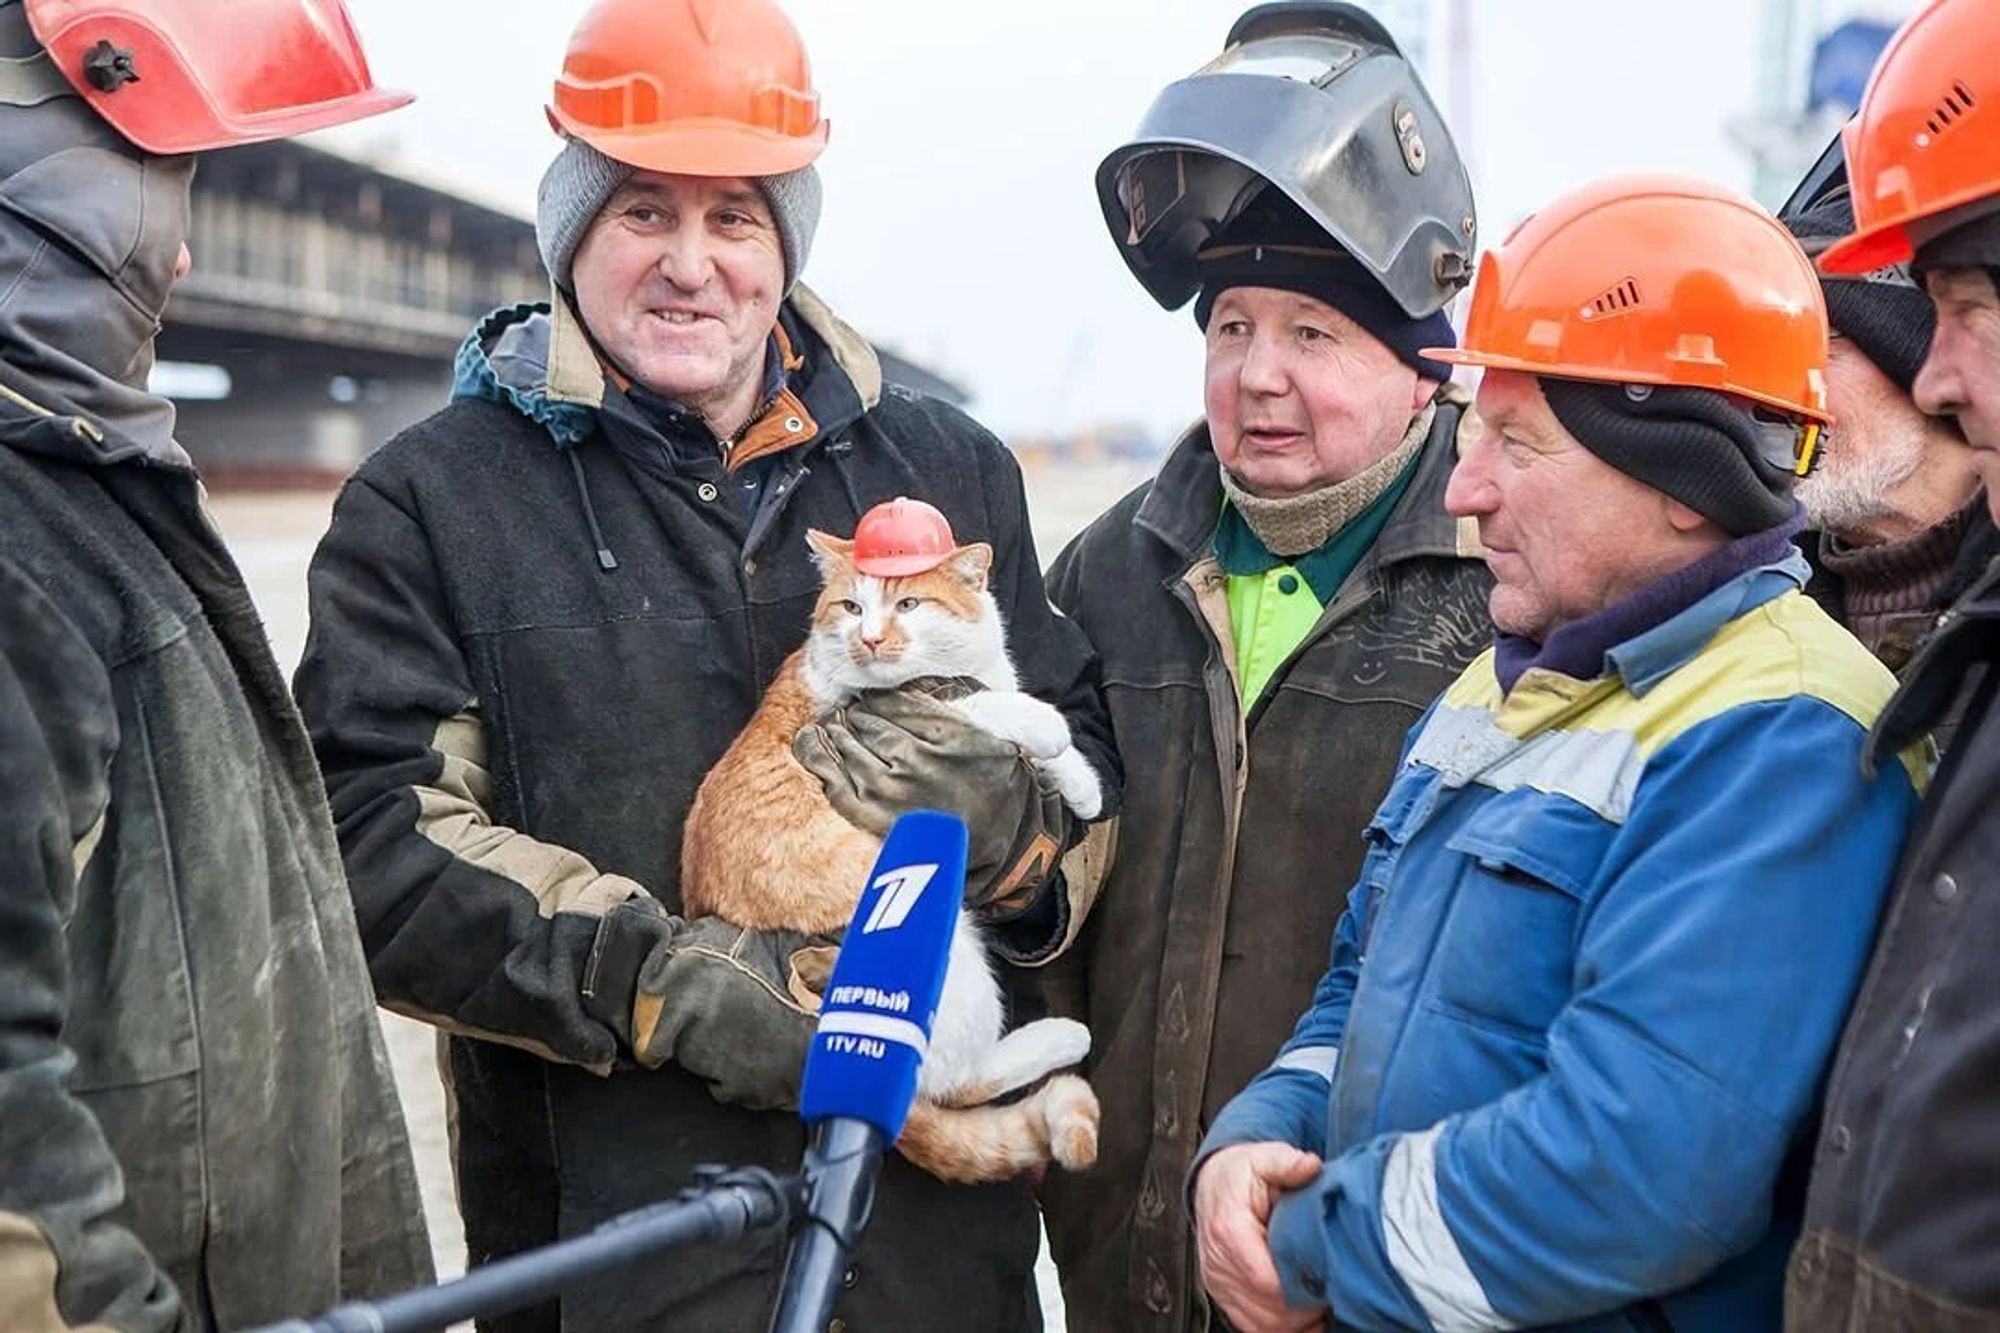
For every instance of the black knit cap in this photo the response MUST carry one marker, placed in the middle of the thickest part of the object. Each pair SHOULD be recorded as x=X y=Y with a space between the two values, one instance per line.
x=1886 y=314
x=1273 y=243
x=1701 y=447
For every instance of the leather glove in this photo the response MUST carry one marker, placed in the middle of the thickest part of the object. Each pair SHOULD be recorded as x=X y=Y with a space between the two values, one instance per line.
x=734 y=1007
x=891 y=751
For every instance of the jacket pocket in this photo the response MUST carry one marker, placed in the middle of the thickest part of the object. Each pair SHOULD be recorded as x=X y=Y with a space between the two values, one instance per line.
x=1411 y=795
x=1507 y=950
x=154 y=1131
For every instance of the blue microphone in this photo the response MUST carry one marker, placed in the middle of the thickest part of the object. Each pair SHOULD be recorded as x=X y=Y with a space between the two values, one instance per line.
x=874 y=1029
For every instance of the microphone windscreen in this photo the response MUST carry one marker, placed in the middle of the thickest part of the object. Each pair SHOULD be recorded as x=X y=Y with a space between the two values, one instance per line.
x=875 y=1017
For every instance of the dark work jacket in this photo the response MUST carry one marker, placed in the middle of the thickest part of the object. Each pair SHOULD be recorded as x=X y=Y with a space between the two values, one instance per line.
x=1902 y=1228
x=198 y=1127
x=1238 y=839
x=538 y=618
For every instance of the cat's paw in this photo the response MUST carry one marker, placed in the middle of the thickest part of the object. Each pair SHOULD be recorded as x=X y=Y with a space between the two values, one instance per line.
x=1021 y=718
x=1070 y=1114
x=1076 y=782
x=1060 y=1042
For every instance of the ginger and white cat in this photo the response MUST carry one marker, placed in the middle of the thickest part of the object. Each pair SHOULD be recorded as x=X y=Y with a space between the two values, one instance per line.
x=764 y=849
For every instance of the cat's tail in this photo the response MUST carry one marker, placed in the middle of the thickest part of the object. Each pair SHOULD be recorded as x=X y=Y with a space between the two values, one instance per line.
x=976 y=1144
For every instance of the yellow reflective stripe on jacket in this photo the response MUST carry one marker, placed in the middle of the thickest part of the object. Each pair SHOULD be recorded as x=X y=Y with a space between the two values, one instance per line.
x=1599 y=734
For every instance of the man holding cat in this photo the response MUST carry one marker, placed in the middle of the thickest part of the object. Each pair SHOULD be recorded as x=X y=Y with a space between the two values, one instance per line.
x=1274 y=609
x=540 y=616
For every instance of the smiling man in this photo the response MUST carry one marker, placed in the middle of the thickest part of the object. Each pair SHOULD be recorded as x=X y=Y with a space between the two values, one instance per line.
x=1274 y=608
x=542 y=614
x=1619 y=893
x=680 y=278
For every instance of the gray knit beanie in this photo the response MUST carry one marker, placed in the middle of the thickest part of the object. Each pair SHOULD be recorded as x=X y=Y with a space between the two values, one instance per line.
x=582 y=180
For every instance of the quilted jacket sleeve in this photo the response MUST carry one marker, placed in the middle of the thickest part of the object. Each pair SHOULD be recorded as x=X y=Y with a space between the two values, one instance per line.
x=476 y=927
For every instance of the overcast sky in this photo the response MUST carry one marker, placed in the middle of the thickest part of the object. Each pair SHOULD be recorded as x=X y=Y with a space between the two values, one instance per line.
x=961 y=223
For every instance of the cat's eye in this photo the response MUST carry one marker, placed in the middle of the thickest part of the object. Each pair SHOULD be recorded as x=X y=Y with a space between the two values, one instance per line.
x=852 y=608
x=909 y=604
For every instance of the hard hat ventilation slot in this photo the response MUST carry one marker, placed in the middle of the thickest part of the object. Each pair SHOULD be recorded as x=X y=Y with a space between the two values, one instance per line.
x=1957 y=104
x=1615 y=300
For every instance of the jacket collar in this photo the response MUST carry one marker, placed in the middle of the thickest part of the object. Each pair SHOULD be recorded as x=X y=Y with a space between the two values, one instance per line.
x=538 y=359
x=1185 y=500
x=849 y=351
x=35 y=420
x=1647 y=636
x=577 y=376
x=1967 y=638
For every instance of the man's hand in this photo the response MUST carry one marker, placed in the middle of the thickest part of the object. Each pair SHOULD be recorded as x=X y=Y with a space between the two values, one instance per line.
x=736 y=1008
x=892 y=751
x=1233 y=1196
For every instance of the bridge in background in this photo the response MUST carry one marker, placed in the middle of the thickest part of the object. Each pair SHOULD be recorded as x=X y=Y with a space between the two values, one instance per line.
x=326 y=301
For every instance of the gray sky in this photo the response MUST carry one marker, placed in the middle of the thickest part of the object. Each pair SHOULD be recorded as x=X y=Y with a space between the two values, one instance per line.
x=961 y=223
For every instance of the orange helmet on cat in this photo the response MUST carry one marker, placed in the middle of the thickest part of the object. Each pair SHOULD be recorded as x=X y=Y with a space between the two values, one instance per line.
x=901 y=537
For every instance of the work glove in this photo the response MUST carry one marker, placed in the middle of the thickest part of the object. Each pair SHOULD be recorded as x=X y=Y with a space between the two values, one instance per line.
x=892 y=751
x=734 y=1007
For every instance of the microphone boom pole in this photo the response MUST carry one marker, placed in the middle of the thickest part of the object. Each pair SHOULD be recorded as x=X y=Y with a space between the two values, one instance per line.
x=720 y=1206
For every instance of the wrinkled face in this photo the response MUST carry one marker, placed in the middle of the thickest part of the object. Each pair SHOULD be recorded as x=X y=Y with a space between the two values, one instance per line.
x=1298 y=395
x=1875 y=446
x=870 y=632
x=1961 y=376
x=679 y=280
x=1566 y=534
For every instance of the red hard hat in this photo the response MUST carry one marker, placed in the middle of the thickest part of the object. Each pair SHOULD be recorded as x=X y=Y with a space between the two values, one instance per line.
x=694 y=87
x=901 y=537
x=179 y=76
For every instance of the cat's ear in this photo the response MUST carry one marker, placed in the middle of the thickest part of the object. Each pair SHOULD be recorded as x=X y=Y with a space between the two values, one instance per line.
x=971 y=564
x=829 y=552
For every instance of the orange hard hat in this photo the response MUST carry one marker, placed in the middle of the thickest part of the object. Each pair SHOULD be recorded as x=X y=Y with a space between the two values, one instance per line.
x=1926 y=140
x=1654 y=280
x=179 y=76
x=694 y=87
x=900 y=537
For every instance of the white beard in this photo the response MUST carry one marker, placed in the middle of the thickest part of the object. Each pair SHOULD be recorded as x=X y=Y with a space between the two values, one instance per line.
x=1849 y=491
